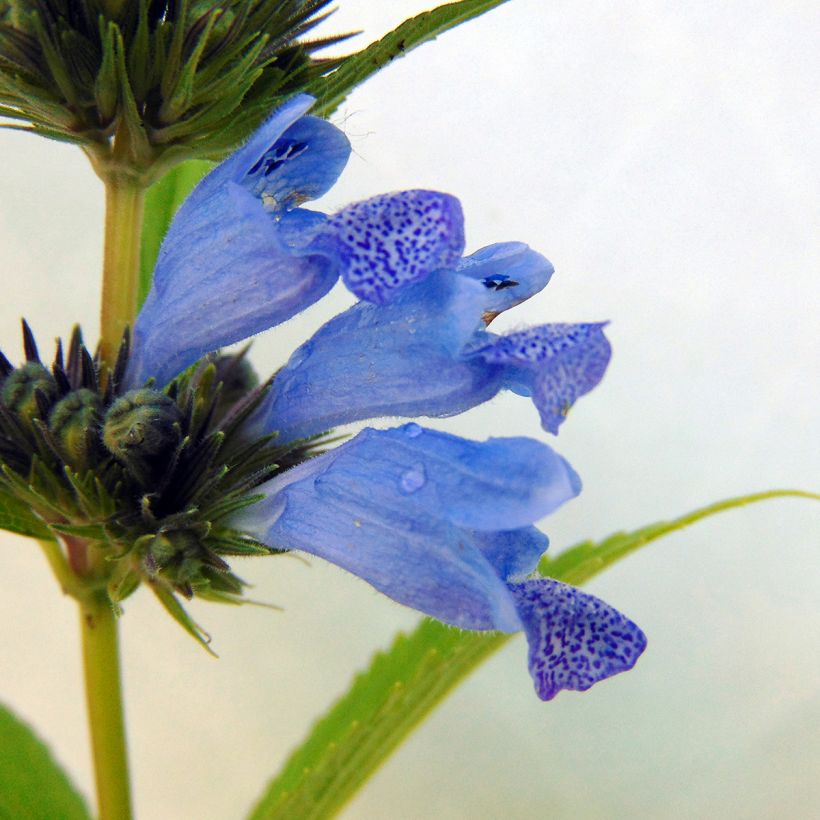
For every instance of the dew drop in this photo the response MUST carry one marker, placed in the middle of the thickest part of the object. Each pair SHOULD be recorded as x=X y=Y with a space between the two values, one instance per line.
x=412 y=430
x=413 y=479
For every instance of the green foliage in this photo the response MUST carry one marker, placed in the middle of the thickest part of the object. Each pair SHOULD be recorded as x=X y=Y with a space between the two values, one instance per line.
x=145 y=84
x=577 y=564
x=385 y=703
x=16 y=516
x=32 y=784
x=161 y=203
x=404 y=684
x=331 y=90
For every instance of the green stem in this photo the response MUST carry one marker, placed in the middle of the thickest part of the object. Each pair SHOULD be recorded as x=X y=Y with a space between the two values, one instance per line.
x=103 y=691
x=66 y=578
x=124 y=203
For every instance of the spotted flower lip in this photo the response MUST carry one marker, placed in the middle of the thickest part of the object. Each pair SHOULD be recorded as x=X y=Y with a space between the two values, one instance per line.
x=438 y=523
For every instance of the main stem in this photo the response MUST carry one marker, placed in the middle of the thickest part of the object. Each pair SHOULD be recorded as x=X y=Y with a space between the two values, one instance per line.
x=124 y=203
x=103 y=691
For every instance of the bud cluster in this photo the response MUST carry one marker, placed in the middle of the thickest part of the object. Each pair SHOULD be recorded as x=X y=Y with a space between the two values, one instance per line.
x=142 y=85
x=146 y=477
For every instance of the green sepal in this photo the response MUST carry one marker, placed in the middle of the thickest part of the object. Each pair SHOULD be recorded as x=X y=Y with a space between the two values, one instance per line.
x=15 y=516
x=331 y=90
x=124 y=581
x=33 y=786
x=106 y=83
x=150 y=86
x=404 y=684
x=92 y=532
x=175 y=609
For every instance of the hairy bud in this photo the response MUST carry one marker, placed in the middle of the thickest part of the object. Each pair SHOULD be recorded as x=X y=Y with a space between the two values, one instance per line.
x=76 y=422
x=142 y=429
x=22 y=387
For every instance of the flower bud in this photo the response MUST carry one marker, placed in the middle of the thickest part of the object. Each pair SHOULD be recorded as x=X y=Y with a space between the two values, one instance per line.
x=76 y=421
x=237 y=377
x=21 y=387
x=142 y=429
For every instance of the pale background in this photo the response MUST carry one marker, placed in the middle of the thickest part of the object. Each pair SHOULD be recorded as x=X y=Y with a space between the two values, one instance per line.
x=663 y=155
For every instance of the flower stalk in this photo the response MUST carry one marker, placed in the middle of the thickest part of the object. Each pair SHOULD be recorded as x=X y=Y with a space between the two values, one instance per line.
x=103 y=690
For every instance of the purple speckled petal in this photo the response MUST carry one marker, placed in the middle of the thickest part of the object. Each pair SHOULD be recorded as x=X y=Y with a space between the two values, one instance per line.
x=555 y=364
x=575 y=639
x=395 y=239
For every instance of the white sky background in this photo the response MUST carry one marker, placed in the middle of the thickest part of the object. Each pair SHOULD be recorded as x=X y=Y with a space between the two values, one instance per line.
x=664 y=157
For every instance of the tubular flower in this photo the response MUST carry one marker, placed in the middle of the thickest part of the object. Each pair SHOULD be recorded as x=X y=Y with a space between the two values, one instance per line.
x=438 y=523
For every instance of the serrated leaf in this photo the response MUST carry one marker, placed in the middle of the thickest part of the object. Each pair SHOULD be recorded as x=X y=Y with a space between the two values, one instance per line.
x=577 y=564
x=161 y=203
x=15 y=516
x=404 y=684
x=32 y=784
x=330 y=91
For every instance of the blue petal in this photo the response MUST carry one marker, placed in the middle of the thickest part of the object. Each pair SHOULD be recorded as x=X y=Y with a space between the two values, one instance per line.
x=398 y=508
x=513 y=553
x=227 y=268
x=399 y=359
x=555 y=364
x=395 y=239
x=236 y=167
x=511 y=272
x=302 y=164
x=219 y=284
x=575 y=639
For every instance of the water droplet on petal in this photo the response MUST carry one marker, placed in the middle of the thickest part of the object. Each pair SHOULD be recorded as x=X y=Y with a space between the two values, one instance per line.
x=412 y=430
x=413 y=479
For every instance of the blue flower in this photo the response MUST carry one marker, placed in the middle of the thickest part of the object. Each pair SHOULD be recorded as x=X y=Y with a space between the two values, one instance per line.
x=444 y=525
x=436 y=522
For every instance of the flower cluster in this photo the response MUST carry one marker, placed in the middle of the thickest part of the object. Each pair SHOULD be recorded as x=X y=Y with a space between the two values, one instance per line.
x=173 y=461
x=439 y=523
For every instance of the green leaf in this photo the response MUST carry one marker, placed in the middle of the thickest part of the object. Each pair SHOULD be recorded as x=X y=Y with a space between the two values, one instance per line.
x=161 y=203
x=17 y=517
x=330 y=91
x=404 y=684
x=32 y=784
x=577 y=564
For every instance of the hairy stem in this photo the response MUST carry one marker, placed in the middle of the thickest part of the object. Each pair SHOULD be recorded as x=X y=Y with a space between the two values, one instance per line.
x=124 y=204
x=103 y=690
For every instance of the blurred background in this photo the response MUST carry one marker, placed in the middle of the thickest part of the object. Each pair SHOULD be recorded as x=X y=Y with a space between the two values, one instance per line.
x=664 y=156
